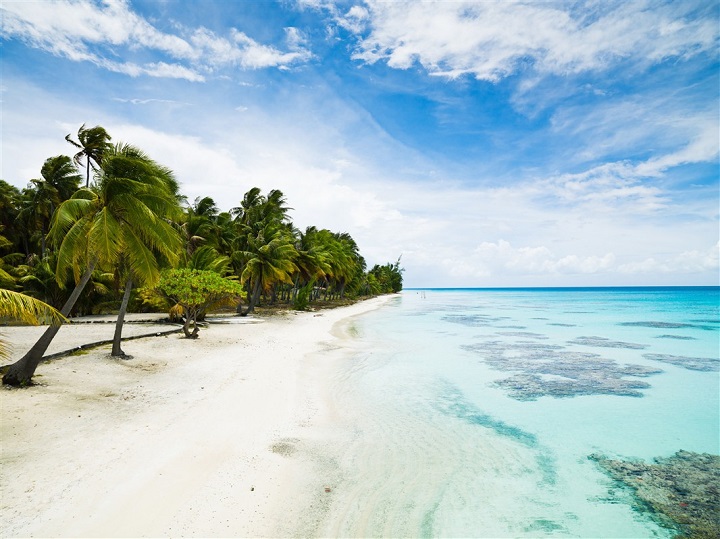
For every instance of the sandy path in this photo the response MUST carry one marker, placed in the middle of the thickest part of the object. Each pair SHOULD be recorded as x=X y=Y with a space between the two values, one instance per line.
x=211 y=437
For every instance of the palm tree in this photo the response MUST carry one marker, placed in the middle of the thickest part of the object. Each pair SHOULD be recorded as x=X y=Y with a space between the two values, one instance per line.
x=60 y=173
x=158 y=198
x=198 y=223
x=313 y=257
x=270 y=259
x=26 y=309
x=6 y=279
x=59 y=180
x=120 y=218
x=9 y=208
x=263 y=230
x=93 y=142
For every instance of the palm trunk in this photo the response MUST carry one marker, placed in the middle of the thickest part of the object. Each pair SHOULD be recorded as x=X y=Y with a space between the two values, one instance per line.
x=87 y=180
x=116 y=350
x=254 y=297
x=20 y=373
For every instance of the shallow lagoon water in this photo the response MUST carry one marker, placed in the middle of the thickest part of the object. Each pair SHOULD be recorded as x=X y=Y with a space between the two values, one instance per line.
x=440 y=444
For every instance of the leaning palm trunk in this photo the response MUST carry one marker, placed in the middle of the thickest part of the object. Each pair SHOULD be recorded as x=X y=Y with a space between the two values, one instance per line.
x=20 y=373
x=254 y=297
x=116 y=350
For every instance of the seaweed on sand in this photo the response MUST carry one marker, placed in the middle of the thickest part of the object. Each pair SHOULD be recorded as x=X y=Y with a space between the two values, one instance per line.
x=681 y=491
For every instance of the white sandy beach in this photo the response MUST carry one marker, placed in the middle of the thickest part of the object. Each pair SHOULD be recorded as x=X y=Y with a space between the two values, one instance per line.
x=205 y=438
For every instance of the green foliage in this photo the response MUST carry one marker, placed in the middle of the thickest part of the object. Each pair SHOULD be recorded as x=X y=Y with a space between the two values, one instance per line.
x=303 y=297
x=26 y=309
x=194 y=288
x=150 y=300
x=387 y=278
x=127 y=223
x=123 y=219
x=197 y=292
x=93 y=142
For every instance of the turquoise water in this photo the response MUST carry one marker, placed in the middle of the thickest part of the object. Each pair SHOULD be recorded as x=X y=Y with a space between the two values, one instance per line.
x=471 y=413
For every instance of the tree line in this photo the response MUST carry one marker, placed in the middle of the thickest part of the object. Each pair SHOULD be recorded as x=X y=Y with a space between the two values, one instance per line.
x=122 y=237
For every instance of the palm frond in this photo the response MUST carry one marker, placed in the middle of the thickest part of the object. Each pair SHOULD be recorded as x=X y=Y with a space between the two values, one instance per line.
x=105 y=237
x=26 y=309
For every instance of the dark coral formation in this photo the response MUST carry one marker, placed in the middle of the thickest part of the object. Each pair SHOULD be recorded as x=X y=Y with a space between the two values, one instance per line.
x=678 y=337
x=664 y=325
x=708 y=364
x=681 y=491
x=667 y=325
x=606 y=343
x=474 y=320
x=550 y=370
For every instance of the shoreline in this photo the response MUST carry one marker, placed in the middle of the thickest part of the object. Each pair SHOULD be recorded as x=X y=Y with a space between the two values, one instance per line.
x=217 y=436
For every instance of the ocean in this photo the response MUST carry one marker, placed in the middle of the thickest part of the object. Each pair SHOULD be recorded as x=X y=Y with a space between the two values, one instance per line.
x=472 y=412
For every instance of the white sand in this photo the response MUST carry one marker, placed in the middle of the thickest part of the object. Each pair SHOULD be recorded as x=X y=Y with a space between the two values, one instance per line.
x=205 y=438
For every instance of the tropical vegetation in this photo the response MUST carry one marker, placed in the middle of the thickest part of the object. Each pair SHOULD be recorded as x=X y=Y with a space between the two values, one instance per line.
x=128 y=240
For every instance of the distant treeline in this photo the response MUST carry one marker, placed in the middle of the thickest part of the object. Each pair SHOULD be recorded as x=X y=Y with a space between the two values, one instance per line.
x=111 y=209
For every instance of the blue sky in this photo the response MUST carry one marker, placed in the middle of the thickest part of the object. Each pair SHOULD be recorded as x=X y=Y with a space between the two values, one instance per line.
x=489 y=143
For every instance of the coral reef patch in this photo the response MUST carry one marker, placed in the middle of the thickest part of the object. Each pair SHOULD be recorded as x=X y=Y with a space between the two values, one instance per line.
x=692 y=363
x=551 y=370
x=666 y=325
x=603 y=342
x=682 y=491
x=473 y=320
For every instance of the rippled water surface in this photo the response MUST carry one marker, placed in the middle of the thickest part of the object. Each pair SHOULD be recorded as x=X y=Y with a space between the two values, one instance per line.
x=471 y=413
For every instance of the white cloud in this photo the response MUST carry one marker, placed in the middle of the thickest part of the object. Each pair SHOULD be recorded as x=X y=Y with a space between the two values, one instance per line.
x=694 y=261
x=86 y=31
x=705 y=147
x=502 y=257
x=355 y=20
x=608 y=187
x=137 y=101
x=491 y=40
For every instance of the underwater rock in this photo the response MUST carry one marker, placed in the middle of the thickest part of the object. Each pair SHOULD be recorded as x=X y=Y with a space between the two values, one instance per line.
x=606 y=343
x=679 y=337
x=551 y=370
x=681 y=491
x=691 y=363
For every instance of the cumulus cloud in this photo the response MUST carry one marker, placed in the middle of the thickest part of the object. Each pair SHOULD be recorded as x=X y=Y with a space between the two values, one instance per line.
x=693 y=261
x=355 y=20
x=502 y=257
x=83 y=30
x=492 y=40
